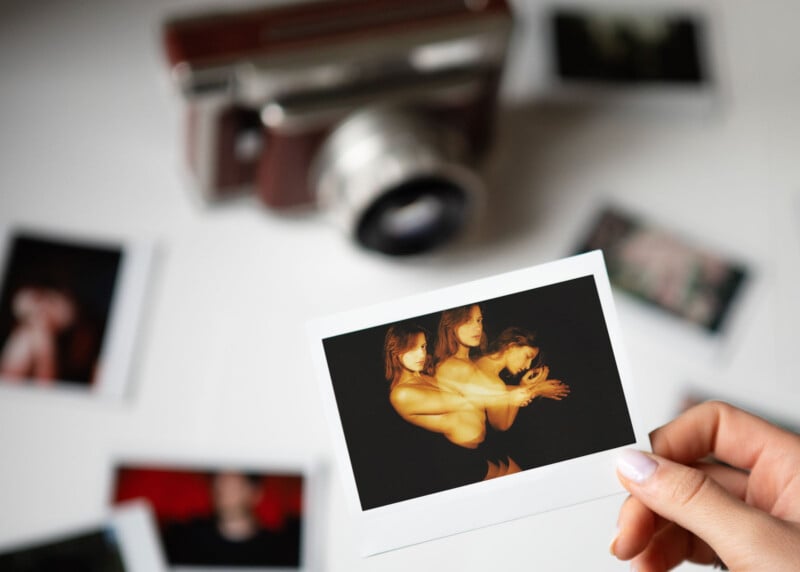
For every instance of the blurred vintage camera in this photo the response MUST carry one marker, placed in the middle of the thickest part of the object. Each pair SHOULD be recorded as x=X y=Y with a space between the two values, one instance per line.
x=377 y=111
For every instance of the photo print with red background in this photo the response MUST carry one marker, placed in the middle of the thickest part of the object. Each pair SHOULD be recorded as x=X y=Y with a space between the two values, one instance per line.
x=220 y=517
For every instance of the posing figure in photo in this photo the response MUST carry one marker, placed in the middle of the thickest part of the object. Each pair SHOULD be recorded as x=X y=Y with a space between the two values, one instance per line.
x=233 y=536
x=514 y=351
x=32 y=349
x=419 y=399
x=464 y=365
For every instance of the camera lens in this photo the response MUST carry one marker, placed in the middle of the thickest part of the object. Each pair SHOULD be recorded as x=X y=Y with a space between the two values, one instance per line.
x=397 y=180
x=416 y=216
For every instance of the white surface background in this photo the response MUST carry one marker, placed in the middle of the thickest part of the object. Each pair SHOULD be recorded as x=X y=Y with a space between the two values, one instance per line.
x=91 y=135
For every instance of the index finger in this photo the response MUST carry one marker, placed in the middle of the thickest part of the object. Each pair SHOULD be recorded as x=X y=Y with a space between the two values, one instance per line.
x=730 y=434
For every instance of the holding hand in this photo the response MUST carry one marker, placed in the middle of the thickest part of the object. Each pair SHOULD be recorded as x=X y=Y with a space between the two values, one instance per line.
x=745 y=515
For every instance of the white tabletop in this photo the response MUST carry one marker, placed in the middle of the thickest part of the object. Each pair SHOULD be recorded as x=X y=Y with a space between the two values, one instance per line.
x=92 y=143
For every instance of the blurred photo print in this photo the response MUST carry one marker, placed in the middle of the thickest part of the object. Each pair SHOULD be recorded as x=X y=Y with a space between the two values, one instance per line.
x=663 y=270
x=623 y=52
x=124 y=542
x=224 y=516
x=69 y=308
x=633 y=47
x=498 y=399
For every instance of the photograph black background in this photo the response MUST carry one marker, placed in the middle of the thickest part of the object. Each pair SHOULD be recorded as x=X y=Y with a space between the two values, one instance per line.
x=393 y=460
x=88 y=273
x=625 y=49
x=95 y=551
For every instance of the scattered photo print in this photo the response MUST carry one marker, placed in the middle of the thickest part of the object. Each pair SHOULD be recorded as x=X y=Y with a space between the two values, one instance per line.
x=217 y=517
x=124 y=541
x=63 y=302
x=628 y=47
x=663 y=270
x=95 y=551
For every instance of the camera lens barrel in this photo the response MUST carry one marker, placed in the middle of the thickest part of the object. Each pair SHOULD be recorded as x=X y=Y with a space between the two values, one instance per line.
x=397 y=180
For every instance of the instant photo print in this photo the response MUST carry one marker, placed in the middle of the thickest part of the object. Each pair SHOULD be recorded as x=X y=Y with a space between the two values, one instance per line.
x=125 y=541
x=672 y=287
x=195 y=502
x=477 y=404
x=69 y=310
x=623 y=52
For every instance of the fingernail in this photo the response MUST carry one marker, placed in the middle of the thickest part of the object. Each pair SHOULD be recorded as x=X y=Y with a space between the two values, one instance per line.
x=635 y=465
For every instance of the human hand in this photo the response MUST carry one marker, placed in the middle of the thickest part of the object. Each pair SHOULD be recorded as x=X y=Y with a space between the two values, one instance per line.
x=537 y=382
x=535 y=375
x=550 y=389
x=745 y=514
x=520 y=396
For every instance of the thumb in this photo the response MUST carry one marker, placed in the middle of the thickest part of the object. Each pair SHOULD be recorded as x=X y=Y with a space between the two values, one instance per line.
x=693 y=500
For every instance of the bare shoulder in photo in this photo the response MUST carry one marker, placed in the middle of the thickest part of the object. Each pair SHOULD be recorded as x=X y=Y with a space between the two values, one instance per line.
x=498 y=398
x=69 y=310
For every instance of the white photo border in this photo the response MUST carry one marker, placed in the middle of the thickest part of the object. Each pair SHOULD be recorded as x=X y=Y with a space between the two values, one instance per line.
x=124 y=315
x=535 y=76
x=480 y=504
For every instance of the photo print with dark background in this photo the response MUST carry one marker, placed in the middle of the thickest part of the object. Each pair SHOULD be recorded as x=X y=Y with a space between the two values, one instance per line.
x=90 y=551
x=191 y=505
x=82 y=276
x=627 y=48
x=393 y=460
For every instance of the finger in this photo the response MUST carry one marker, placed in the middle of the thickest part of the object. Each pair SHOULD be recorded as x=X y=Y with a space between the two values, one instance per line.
x=732 y=480
x=670 y=547
x=636 y=525
x=732 y=435
x=692 y=499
